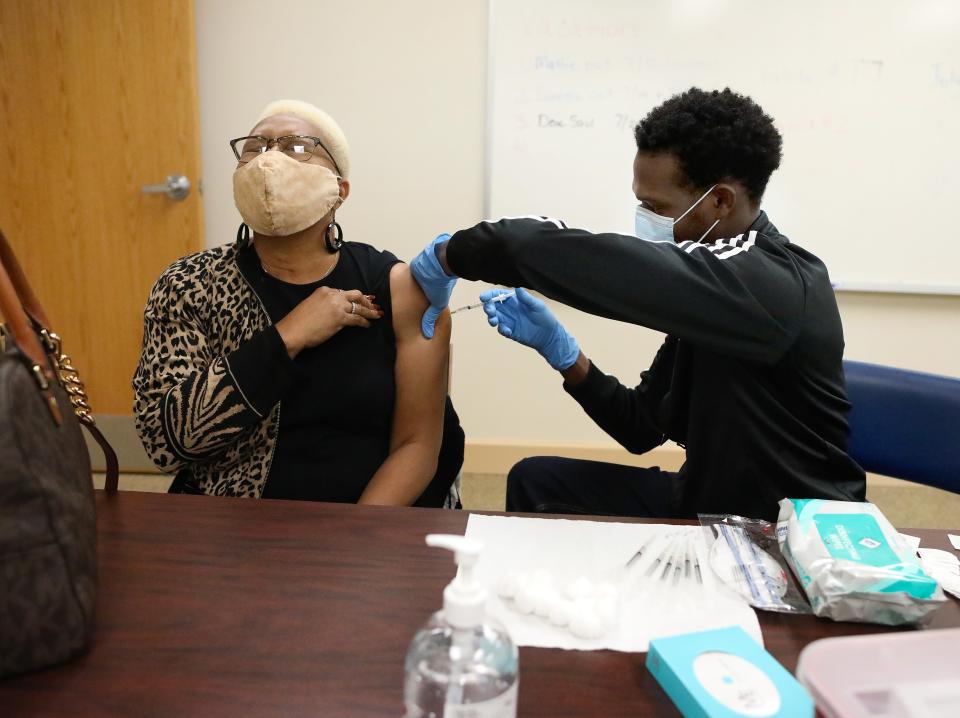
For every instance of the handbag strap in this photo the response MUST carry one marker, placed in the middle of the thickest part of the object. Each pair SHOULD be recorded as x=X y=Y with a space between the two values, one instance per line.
x=36 y=359
x=27 y=299
x=21 y=308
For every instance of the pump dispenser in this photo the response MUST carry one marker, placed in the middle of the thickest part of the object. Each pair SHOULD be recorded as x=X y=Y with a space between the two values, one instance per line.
x=461 y=663
x=464 y=600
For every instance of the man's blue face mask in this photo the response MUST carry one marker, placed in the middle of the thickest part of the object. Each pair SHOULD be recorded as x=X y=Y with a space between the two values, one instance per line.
x=653 y=227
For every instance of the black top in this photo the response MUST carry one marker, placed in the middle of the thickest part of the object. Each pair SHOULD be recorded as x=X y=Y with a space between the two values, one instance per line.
x=337 y=399
x=750 y=377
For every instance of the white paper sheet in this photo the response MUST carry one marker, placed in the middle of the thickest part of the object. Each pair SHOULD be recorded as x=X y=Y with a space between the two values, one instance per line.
x=598 y=551
x=942 y=566
x=954 y=541
x=912 y=541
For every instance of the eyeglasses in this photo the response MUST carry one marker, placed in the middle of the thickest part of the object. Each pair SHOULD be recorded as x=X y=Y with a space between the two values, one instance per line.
x=299 y=147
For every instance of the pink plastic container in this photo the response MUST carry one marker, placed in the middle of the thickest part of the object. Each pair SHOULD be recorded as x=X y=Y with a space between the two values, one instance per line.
x=914 y=674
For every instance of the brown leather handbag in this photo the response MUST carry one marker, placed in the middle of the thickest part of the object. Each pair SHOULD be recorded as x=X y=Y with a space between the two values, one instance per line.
x=48 y=533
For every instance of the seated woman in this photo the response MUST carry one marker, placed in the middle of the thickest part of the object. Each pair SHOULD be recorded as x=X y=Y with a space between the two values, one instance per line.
x=290 y=364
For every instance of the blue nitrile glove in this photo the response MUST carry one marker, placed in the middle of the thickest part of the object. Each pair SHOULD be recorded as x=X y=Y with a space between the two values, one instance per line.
x=435 y=283
x=526 y=319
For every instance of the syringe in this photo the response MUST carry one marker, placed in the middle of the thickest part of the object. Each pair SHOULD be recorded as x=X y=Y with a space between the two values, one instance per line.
x=498 y=298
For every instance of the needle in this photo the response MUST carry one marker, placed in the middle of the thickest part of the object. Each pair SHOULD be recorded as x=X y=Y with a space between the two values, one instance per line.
x=498 y=298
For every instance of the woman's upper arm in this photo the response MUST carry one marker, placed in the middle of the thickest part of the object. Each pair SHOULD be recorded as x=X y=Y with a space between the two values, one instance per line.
x=421 y=368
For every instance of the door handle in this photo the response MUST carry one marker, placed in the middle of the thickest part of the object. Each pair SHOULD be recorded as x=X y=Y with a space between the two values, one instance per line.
x=176 y=187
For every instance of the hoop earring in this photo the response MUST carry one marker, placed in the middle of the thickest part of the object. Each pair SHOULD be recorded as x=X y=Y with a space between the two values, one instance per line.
x=243 y=233
x=333 y=244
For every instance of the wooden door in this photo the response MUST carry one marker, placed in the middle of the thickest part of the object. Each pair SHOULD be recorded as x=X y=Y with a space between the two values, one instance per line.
x=98 y=98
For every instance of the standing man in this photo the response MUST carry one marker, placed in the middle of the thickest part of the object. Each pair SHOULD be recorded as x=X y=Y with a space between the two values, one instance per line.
x=749 y=379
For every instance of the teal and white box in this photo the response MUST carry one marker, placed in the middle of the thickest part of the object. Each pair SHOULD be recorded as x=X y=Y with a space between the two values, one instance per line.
x=725 y=674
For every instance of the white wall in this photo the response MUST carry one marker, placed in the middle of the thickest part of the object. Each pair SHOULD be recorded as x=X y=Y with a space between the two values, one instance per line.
x=406 y=81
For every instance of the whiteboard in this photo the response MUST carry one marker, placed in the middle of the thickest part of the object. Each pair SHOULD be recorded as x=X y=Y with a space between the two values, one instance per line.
x=865 y=93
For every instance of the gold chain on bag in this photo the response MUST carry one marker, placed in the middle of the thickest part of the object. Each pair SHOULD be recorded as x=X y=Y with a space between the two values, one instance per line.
x=69 y=378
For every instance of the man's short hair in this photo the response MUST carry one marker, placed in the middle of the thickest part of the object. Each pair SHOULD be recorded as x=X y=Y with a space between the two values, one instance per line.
x=716 y=136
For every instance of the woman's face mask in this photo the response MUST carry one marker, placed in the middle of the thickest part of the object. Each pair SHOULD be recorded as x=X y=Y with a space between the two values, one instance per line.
x=657 y=228
x=277 y=195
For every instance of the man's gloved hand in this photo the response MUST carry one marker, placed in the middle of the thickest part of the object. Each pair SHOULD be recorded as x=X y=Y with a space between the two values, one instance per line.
x=526 y=319
x=435 y=283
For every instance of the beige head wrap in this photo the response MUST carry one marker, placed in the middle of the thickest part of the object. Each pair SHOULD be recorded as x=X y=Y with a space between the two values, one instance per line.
x=327 y=128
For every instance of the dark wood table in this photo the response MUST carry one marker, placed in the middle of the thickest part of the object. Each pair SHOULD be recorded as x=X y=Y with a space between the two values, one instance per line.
x=229 y=607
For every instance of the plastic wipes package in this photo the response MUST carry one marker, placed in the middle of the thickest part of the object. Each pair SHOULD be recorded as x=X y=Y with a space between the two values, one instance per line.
x=853 y=564
x=744 y=554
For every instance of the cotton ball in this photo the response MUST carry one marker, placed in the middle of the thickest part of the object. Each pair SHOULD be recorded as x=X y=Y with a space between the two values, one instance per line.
x=541 y=602
x=546 y=595
x=524 y=600
x=581 y=588
x=542 y=589
x=508 y=584
x=541 y=578
x=585 y=623
x=607 y=607
x=581 y=605
x=607 y=604
x=522 y=583
x=607 y=590
x=560 y=610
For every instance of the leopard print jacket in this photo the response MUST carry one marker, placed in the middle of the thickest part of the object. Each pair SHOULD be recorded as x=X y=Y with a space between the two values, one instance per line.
x=189 y=409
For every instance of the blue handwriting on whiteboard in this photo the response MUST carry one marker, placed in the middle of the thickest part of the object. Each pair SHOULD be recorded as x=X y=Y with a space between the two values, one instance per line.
x=575 y=122
x=556 y=64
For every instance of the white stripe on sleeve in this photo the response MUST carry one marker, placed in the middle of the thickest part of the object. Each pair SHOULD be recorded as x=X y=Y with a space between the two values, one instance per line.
x=751 y=240
x=723 y=248
x=539 y=218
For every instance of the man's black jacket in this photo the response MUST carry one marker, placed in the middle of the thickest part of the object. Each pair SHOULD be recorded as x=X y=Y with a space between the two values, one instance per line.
x=749 y=379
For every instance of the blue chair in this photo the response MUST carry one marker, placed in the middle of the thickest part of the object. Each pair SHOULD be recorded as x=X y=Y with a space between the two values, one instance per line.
x=905 y=424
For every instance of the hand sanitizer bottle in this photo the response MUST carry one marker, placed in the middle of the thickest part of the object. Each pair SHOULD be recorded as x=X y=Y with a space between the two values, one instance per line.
x=462 y=663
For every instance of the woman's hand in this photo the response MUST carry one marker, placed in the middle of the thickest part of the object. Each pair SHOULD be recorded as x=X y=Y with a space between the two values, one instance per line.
x=323 y=314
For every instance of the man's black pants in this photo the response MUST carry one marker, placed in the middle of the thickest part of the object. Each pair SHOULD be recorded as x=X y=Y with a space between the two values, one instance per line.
x=551 y=484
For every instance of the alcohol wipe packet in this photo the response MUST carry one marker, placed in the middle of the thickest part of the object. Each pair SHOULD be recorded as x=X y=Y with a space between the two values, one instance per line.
x=853 y=564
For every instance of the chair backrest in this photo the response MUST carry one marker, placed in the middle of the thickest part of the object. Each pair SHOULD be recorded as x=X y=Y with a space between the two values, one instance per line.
x=905 y=424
